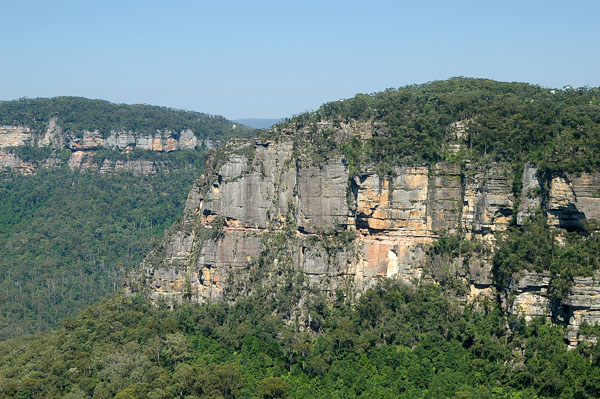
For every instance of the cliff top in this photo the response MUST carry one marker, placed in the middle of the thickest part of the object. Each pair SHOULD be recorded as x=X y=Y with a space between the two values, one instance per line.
x=456 y=120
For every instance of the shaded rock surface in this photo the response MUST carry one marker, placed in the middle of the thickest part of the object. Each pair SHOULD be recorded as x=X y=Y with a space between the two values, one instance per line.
x=581 y=305
x=530 y=193
x=530 y=291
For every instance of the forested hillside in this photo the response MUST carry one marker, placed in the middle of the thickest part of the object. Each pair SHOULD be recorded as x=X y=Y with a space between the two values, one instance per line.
x=78 y=114
x=395 y=342
x=77 y=210
x=67 y=237
x=432 y=241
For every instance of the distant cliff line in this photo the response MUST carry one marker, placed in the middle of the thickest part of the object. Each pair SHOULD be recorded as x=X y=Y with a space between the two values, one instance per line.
x=81 y=133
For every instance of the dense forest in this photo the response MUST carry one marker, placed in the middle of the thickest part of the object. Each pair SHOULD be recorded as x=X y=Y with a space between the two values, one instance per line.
x=67 y=237
x=395 y=342
x=76 y=114
x=558 y=130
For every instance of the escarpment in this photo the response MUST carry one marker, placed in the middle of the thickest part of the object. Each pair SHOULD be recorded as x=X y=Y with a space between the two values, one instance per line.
x=100 y=136
x=268 y=206
x=488 y=189
x=84 y=151
x=387 y=221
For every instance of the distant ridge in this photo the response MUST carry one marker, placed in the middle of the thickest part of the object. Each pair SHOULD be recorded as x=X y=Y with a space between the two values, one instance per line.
x=79 y=114
x=258 y=123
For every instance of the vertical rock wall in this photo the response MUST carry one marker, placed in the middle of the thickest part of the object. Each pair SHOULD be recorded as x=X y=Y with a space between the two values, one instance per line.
x=266 y=192
x=263 y=187
x=84 y=146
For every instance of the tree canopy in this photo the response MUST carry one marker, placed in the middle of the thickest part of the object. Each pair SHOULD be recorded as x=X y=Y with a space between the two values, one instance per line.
x=395 y=342
x=558 y=130
x=67 y=237
x=76 y=114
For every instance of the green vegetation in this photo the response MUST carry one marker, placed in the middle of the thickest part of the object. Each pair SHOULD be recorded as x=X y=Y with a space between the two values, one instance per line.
x=448 y=261
x=452 y=246
x=39 y=155
x=558 y=130
x=76 y=114
x=534 y=247
x=67 y=237
x=396 y=342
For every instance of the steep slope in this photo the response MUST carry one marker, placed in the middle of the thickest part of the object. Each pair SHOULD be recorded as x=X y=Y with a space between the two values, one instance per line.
x=361 y=189
x=258 y=123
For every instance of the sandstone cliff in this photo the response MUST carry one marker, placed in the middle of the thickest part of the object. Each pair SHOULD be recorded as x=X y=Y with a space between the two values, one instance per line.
x=84 y=145
x=343 y=231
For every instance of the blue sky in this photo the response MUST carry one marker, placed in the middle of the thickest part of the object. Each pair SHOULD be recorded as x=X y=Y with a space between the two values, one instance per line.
x=278 y=58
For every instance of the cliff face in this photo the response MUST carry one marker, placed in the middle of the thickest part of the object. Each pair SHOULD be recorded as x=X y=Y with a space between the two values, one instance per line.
x=84 y=145
x=392 y=219
x=14 y=136
x=346 y=232
x=573 y=199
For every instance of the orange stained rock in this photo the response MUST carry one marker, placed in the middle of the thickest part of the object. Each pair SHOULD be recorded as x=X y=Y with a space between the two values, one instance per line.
x=417 y=179
x=378 y=224
x=374 y=253
x=205 y=274
x=387 y=255
x=417 y=213
x=156 y=144
x=233 y=223
x=177 y=285
x=170 y=144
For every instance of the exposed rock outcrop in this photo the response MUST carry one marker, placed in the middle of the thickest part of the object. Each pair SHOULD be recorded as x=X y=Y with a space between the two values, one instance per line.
x=530 y=299
x=488 y=199
x=530 y=295
x=9 y=161
x=263 y=186
x=573 y=199
x=165 y=141
x=582 y=305
x=85 y=144
x=14 y=136
x=531 y=200
x=87 y=160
